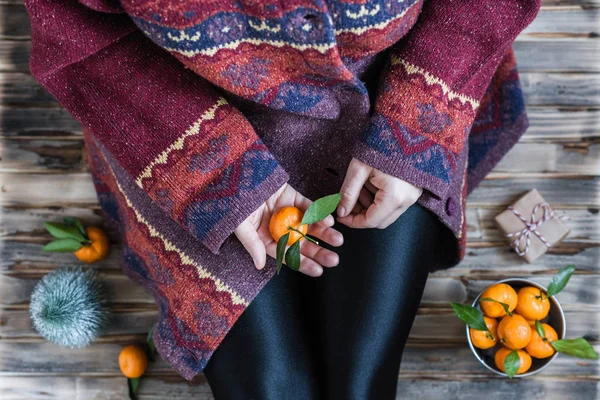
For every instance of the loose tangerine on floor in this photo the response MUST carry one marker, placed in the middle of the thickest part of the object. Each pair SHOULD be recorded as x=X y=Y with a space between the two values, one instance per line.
x=524 y=360
x=133 y=361
x=97 y=250
x=283 y=219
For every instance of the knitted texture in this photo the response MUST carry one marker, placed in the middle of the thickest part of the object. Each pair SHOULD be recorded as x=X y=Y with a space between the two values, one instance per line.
x=196 y=112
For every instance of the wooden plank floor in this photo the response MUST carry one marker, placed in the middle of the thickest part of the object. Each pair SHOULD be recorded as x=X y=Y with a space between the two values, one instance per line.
x=43 y=175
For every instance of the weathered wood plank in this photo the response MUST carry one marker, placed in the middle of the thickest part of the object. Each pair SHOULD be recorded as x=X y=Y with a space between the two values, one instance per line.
x=20 y=88
x=439 y=359
x=119 y=289
x=409 y=387
x=40 y=155
x=580 y=300
x=495 y=259
x=572 y=22
x=583 y=158
x=545 y=3
x=584 y=225
x=502 y=262
x=579 y=192
x=430 y=326
x=76 y=189
x=49 y=155
x=63 y=388
x=569 y=21
x=46 y=189
x=546 y=123
x=569 y=54
x=563 y=124
x=540 y=88
x=497 y=389
x=20 y=256
x=16 y=324
x=38 y=122
x=29 y=221
x=558 y=55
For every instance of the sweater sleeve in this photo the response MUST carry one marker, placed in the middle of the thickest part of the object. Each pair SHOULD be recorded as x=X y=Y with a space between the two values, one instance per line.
x=192 y=153
x=430 y=90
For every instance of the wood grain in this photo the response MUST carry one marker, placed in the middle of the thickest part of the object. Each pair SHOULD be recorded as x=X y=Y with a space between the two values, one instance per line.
x=43 y=177
x=546 y=123
x=77 y=188
x=533 y=54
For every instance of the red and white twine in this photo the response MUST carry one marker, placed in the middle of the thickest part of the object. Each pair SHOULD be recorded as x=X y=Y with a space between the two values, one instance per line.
x=531 y=226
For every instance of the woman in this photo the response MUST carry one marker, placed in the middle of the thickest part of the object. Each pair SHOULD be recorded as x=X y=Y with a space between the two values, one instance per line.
x=201 y=118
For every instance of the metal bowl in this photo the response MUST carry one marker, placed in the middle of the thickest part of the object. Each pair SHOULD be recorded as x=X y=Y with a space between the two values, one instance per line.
x=555 y=318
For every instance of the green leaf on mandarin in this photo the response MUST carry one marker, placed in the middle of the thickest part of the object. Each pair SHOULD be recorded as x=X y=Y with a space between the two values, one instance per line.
x=321 y=208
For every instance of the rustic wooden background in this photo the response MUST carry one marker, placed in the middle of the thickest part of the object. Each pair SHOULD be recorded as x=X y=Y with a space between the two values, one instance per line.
x=44 y=176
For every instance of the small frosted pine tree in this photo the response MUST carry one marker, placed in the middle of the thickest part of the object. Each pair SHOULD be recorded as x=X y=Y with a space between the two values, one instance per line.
x=69 y=307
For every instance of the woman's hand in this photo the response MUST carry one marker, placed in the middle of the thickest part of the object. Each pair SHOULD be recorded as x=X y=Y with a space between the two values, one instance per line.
x=373 y=199
x=254 y=234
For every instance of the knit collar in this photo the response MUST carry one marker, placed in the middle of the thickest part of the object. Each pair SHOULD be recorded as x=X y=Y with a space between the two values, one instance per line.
x=287 y=54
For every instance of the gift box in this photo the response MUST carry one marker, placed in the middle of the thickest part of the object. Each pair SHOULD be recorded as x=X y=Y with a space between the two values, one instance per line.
x=532 y=226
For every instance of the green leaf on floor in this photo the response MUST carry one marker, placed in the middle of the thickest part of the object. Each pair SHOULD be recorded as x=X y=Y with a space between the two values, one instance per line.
x=63 y=246
x=62 y=231
x=560 y=280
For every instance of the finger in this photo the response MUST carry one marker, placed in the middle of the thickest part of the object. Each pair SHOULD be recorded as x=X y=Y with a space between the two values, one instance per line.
x=358 y=208
x=377 y=213
x=307 y=266
x=320 y=255
x=356 y=176
x=365 y=198
x=371 y=188
x=247 y=235
x=310 y=267
x=326 y=234
x=392 y=218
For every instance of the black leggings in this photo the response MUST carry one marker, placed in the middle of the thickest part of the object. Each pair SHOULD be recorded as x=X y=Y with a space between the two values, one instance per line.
x=339 y=336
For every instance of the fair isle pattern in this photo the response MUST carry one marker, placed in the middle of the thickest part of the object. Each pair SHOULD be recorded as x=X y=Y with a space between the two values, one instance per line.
x=420 y=125
x=434 y=80
x=202 y=272
x=321 y=48
x=196 y=309
x=190 y=167
x=372 y=15
x=235 y=49
x=178 y=144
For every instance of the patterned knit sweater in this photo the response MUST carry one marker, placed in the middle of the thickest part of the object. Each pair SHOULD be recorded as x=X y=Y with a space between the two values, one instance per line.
x=196 y=111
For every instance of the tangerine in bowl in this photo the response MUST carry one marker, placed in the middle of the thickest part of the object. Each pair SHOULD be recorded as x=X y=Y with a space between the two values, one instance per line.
x=512 y=307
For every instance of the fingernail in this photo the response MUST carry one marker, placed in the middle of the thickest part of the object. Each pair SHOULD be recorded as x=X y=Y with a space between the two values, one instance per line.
x=342 y=211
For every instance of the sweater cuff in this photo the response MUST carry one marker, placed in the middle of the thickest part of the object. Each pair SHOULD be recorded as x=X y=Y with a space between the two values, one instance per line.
x=418 y=130
x=214 y=220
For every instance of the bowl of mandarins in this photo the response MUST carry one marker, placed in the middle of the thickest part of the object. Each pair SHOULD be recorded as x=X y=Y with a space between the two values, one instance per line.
x=516 y=327
x=528 y=304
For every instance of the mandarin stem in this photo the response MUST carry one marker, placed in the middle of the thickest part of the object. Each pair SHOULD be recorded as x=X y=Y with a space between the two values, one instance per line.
x=303 y=235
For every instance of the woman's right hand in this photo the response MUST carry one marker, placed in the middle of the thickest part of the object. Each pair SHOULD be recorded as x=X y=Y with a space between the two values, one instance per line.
x=254 y=234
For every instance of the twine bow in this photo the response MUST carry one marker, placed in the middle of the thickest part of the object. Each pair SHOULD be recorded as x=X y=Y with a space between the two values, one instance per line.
x=531 y=226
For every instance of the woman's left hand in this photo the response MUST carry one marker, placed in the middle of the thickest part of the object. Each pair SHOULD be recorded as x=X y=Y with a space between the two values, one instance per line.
x=373 y=199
